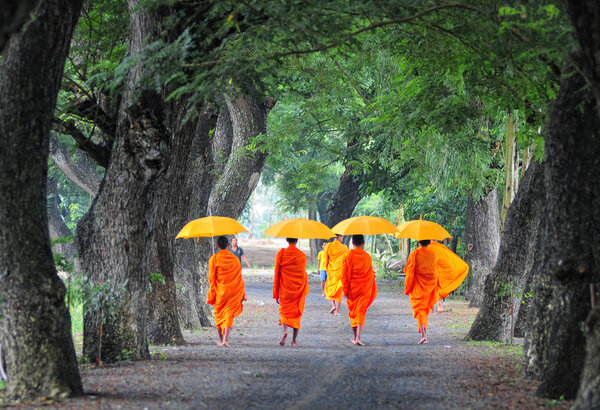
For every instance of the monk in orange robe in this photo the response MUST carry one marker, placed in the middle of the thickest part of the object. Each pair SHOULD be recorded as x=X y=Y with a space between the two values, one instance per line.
x=452 y=270
x=290 y=287
x=359 y=286
x=227 y=290
x=334 y=256
x=422 y=284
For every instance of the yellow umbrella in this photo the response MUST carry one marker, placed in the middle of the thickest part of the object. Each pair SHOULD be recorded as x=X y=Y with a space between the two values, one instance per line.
x=299 y=228
x=211 y=226
x=421 y=230
x=364 y=225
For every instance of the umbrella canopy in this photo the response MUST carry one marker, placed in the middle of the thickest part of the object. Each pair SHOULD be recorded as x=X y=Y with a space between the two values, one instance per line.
x=364 y=225
x=211 y=226
x=300 y=228
x=421 y=230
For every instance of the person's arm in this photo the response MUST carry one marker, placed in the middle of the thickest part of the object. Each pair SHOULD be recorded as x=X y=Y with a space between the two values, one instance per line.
x=211 y=298
x=246 y=260
x=409 y=270
x=276 y=277
x=346 y=274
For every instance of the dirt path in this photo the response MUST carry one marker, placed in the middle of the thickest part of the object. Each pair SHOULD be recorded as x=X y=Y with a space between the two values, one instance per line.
x=328 y=372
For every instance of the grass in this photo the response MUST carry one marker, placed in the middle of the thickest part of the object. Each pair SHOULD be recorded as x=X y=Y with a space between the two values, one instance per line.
x=76 y=318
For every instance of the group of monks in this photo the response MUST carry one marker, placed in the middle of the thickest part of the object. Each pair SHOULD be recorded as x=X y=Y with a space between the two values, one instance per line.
x=432 y=272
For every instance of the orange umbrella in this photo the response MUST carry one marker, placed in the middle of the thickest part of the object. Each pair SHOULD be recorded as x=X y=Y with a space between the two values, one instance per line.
x=299 y=228
x=364 y=225
x=211 y=226
x=421 y=230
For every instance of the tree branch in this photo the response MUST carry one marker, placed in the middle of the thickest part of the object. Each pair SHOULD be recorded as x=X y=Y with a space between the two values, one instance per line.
x=99 y=153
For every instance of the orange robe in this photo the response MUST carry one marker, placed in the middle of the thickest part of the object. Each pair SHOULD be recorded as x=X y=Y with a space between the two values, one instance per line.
x=227 y=291
x=290 y=285
x=358 y=282
x=422 y=282
x=334 y=258
x=452 y=270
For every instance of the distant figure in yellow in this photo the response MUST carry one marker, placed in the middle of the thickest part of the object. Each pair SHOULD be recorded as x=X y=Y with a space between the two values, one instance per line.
x=422 y=284
x=227 y=291
x=334 y=258
x=322 y=267
x=358 y=280
x=290 y=287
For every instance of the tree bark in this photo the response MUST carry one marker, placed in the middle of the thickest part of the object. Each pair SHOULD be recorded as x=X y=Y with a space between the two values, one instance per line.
x=345 y=200
x=13 y=14
x=182 y=196
x=588 y=396
x=482 y=237
x=555 y=341
x=515 y=262
x=115 y=236
x=35 y=327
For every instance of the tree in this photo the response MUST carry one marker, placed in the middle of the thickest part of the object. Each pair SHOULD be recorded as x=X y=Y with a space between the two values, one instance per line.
x=35 y=325
x=13 y=15
x=504 y=287
x=566 y=279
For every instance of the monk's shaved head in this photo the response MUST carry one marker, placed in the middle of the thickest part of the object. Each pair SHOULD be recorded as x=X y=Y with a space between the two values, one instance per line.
x=222 y=242
x=358 y=240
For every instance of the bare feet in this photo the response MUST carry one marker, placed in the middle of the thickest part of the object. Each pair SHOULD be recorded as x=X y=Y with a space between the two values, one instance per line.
x=295 y=344
x=353 y=341
x=358 y=342
x=336 y=313
x=332 y=310
x=225 y=344
x=282 y=341
x=423 y=340
x=219 y=343
x=323 y=294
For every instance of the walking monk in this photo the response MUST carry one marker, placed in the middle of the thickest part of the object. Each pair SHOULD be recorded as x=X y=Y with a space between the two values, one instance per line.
x=227 y=291
x=334 y=257
x=290 y=287
x=358 y=282
x=422 y=284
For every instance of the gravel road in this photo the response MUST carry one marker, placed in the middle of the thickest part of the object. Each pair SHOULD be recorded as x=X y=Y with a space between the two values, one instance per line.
x=326 y=372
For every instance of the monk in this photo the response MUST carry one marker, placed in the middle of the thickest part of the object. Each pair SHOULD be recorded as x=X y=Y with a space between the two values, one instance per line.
x=334 y=255
x=452 y=270
x=422 y=284
x=227 y=291
x=290 y=287
x=359 y=286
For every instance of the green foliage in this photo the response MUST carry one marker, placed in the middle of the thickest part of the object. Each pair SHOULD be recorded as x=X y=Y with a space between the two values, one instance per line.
x=156 y=277
x=382 y=262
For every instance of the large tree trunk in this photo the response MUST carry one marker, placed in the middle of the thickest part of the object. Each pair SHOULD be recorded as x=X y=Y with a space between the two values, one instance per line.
x=482 y=237
x=13 y=14
x=35 y=327
x=183 y=196
x=345 y=200
x=314 y=243
x=504 y=286
x=115 y=237
x=556 y=343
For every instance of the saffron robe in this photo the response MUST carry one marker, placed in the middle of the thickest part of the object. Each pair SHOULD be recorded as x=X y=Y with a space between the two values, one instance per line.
x=290 y=285
x=422 y=282
x=334 y=258
x=452 y=270
x=227 y=290
x=358 y=283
